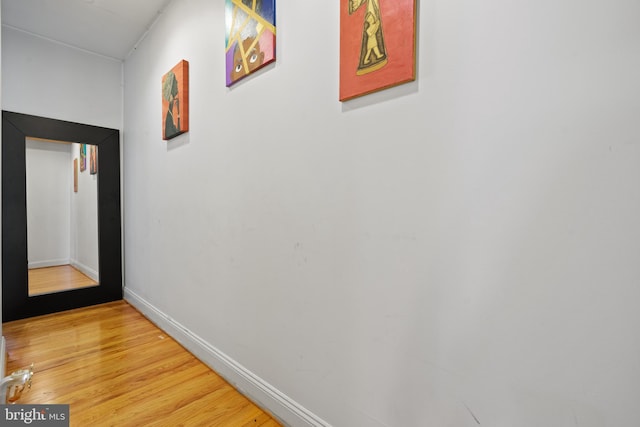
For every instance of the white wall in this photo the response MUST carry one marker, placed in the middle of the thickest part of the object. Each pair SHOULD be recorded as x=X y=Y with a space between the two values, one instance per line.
x=62 y=225
x=483 y=258
x=464 y=247
x=48 y=79
x=49 y=169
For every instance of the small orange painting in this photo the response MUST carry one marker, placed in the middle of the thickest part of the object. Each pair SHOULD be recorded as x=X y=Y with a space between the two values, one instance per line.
x=93 y=160
x=175 y=101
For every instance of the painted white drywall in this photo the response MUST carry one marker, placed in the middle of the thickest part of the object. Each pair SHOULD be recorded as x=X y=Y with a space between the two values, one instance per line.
x=48 y=79
x=62 y=225
x=49 y=167
x=464 y=247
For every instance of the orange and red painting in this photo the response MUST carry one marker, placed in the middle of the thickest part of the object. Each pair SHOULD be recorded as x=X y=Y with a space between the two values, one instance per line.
x=175 y=101
x=93 y=159
x=377 y=45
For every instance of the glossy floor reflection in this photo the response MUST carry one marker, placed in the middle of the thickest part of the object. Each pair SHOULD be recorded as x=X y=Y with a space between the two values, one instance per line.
x=55 y=279
x=114 y=367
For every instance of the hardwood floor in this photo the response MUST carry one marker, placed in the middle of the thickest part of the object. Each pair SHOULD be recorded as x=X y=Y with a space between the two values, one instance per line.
x=60 y=278
x=115 y=368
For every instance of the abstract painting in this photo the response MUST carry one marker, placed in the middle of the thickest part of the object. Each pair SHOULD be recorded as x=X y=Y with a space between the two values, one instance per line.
x=175 y=101
x=377 y=45
x=250 y=37
x=83 y=157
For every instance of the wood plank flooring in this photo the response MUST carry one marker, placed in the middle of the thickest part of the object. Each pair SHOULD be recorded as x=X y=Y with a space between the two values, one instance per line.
x=115 y=368
x=59 y=278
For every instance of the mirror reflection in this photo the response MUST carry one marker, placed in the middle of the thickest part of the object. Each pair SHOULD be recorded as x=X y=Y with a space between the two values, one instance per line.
x=62 y=215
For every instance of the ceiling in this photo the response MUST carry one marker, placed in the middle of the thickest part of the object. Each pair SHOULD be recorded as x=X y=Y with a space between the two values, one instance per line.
x=108 y=27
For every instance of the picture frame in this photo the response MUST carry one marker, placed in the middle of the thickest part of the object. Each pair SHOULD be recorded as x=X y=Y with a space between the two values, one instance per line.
x=250 y=37
x=377 y=45
x=83 y=157
x=175 y=101
x=93 y=160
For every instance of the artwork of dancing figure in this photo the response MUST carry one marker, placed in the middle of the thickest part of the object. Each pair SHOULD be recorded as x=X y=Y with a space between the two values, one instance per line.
x=373 y=55
x=377 y=45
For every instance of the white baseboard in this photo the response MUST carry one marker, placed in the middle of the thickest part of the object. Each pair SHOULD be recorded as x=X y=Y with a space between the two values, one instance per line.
x=48 y=263
x=283 y=408
x=85 y=270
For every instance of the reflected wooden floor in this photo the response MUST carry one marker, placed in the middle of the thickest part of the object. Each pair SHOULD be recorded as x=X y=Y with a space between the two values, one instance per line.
x=54 y=279
x=115 y=368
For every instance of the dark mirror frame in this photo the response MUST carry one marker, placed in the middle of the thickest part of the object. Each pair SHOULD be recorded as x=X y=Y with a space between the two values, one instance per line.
x=16 y=302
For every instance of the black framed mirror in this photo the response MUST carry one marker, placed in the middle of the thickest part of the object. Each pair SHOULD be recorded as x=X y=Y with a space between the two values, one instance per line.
x=16 y=129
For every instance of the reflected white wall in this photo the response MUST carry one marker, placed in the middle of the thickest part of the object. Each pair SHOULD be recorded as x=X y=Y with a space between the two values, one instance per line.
x=62 y=224
x=49 y=168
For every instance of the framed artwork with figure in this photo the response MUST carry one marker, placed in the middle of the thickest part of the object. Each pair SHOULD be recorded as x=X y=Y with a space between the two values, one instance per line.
x=250 y=41
x=377 y=45
x=93 y=160
x=175 y=101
